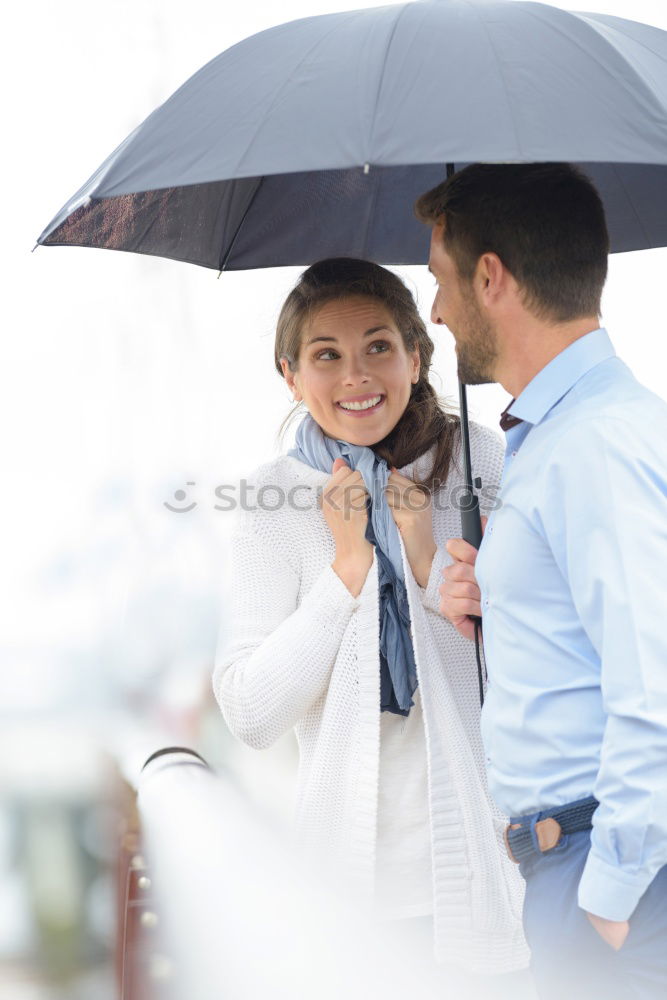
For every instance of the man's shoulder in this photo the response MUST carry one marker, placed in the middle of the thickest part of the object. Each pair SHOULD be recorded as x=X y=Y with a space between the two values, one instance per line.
x=608 y=401
x=612 y=390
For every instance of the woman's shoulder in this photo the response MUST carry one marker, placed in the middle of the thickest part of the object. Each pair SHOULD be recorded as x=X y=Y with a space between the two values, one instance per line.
x=487 y=451
x=280 y=499
x=486 y=438
x=285 y=471
x=487 y=455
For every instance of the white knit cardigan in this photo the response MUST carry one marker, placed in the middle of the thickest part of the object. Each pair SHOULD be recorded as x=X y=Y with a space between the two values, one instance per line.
x=302 y=652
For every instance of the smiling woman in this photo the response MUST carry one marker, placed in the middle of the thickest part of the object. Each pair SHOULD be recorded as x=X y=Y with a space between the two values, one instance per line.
x=349 y=331
x=336 y=631
x=354 y=374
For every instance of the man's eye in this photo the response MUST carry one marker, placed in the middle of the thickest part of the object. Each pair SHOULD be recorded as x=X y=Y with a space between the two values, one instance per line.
x=379 y=346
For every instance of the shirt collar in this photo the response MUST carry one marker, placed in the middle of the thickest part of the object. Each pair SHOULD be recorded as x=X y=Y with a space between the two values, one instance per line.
x=557 y=378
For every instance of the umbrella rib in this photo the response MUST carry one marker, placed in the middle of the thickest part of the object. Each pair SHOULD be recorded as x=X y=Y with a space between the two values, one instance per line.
x=225 y=258
x=401 y=11
x=640 y=224
x=279 y=92
x=370 y=213
x=589 y=20
x=606 y=21
x=501 y=73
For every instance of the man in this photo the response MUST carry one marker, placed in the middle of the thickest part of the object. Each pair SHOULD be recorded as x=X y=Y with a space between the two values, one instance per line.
x=571 y=574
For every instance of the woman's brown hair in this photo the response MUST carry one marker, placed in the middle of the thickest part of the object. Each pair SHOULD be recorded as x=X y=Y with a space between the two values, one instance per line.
x=424 y=423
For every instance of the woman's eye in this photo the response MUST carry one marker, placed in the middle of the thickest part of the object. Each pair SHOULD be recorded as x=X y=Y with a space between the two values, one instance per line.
x=329 y=354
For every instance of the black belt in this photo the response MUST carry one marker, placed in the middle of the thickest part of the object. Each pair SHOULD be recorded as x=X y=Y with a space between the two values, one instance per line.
x=542 y=831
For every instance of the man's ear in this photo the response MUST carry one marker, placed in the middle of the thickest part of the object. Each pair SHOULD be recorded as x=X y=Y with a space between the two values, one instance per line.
x=491 y=277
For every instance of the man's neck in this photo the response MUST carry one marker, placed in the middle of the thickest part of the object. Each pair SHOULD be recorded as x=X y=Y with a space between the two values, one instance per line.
x=529 y=349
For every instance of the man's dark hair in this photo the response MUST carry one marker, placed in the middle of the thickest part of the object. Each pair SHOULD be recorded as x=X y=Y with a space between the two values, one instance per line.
x=544 y=220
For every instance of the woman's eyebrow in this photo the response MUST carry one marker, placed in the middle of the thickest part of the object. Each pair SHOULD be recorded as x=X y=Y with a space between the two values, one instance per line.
x=368 y=333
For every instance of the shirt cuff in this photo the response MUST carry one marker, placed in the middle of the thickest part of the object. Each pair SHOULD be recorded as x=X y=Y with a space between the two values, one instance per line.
x=609 y=892
x=430 y=595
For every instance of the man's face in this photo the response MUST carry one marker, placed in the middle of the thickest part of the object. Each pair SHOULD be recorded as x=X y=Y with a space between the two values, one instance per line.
x=456 y=307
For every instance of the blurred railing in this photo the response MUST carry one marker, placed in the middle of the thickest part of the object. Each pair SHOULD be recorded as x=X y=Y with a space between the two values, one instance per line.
x=216 y=905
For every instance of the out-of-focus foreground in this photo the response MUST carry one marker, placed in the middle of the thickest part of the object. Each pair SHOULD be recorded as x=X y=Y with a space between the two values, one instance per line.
x=131 y=389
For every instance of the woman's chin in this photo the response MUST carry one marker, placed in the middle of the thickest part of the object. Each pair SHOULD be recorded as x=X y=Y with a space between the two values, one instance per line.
x=361 y=440
x=356 y=431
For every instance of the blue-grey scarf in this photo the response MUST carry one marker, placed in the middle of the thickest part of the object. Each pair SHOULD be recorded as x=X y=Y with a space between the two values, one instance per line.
x=398 y=673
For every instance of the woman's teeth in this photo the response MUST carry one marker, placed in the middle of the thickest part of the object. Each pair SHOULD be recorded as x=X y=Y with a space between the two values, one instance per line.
x=366 y=405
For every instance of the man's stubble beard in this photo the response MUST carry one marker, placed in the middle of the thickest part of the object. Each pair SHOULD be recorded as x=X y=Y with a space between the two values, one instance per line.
x=478 y=351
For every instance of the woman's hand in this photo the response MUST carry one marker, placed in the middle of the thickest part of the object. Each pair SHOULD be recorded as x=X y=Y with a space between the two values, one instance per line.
x=344 y=507
x=411 y=509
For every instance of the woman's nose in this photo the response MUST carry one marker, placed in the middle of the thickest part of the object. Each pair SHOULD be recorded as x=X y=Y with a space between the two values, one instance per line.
x=355 y=371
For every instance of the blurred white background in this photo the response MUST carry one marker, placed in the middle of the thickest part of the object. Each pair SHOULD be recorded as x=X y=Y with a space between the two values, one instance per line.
x=123 y=380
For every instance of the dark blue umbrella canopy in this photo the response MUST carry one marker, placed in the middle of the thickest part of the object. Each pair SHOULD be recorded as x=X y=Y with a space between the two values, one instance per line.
x=314 y=138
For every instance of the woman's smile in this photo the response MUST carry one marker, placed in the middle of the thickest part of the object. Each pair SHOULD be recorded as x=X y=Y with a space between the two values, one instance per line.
x=362 y=406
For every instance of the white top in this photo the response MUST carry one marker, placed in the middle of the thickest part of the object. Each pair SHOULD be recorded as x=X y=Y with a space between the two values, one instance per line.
x=302 y=652
x=403 y=867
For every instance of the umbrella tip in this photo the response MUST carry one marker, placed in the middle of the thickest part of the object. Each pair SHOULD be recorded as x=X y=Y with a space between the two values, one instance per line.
x=34 y=248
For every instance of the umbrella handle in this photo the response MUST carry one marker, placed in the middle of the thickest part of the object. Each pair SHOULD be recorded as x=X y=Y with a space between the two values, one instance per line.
x=471 y=522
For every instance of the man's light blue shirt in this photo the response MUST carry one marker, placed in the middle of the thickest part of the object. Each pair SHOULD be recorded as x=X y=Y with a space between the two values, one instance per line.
x=573 y=575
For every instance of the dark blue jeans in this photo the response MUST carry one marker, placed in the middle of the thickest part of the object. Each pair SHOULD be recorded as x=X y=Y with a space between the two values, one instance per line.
x=570 y=961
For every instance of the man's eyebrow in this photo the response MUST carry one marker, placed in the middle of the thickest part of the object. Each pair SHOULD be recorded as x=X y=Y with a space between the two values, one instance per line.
x=368 y=333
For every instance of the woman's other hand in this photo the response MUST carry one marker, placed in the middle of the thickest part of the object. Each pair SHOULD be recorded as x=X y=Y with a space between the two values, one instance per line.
x=344 y=501
x=410 y=506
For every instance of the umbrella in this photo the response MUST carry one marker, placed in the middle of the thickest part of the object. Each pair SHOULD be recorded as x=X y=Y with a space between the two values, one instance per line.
x=314 y=138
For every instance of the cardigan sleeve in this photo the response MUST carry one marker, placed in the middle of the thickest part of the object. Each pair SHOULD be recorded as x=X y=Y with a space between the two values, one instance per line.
x=430 y=594
x=487 y=459
x=278 y=654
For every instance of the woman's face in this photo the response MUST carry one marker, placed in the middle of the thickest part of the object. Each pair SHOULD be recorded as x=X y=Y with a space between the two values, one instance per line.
x=354 y=373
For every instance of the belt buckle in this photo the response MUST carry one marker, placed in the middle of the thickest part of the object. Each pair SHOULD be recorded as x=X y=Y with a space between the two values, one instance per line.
x=547 y=831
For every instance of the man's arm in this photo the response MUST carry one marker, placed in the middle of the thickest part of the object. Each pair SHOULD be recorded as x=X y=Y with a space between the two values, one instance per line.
x=606 y=522
x=460 y=595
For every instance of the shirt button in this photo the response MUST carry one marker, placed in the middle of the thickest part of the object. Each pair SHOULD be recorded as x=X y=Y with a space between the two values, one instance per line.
x=486 y=603
x=513 y=454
